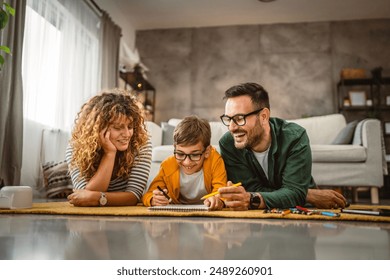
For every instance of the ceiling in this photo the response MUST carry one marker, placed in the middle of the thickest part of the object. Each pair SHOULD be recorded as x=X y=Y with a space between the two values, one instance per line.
x=157 y=14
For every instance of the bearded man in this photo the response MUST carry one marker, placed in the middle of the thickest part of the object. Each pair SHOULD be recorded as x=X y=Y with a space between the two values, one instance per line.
x=269 y=156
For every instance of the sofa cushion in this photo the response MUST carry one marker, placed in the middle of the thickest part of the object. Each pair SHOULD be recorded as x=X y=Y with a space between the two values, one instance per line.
x=174 y=121
x=358 y=137
x=345 y=136
x=338 y=153
x=167 y=133
x=57 y=181
x=218 y=129
x=154 y=132
x=322 y=129
x=162 y=152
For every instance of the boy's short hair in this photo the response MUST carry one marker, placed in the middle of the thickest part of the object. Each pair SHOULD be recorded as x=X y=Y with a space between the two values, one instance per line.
x=191 y=130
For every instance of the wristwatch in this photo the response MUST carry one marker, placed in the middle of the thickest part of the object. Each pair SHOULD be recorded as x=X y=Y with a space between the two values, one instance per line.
x=255 y=201
x=102 y=199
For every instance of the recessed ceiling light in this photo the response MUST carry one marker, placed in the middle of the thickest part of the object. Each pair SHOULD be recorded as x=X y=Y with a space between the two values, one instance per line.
x=266 y=1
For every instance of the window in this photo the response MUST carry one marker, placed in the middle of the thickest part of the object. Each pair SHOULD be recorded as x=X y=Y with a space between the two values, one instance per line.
x=60 y=67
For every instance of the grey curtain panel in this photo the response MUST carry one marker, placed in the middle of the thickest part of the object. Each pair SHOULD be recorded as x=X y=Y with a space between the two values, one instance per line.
x=111 y=34
x=11 y=97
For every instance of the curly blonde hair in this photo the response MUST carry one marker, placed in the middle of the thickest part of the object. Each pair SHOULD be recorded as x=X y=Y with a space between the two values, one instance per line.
x=97 y=114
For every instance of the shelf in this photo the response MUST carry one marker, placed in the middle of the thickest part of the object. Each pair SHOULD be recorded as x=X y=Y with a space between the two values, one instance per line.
x=364 y=82
x=375 y=89
x=357 y=108
x=384 y=81
x=355 y=82
x=143 y=90
x=136 y=81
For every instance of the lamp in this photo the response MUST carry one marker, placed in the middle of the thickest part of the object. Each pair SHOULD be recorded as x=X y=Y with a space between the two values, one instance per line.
x=136 y=79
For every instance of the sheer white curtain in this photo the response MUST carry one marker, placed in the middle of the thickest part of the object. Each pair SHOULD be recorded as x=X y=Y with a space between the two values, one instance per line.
x=60 y=71
x=61 y=63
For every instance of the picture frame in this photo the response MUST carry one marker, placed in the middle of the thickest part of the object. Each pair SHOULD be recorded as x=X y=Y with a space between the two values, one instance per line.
x=387 y=128
x=357 y=98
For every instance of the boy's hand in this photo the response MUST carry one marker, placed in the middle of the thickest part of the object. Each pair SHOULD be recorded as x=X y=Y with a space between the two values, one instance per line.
x=159 y=199
x=214 y=203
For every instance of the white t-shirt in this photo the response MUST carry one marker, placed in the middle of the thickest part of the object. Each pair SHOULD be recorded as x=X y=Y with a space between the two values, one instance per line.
x=192 y=187
x=262 y=158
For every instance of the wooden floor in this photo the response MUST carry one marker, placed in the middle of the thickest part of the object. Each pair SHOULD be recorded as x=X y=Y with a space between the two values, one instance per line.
x=45 y=237
x=49 y=237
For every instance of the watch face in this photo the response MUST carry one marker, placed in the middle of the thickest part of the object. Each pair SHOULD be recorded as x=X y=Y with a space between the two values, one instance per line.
x=103 y=200
x=255 y=201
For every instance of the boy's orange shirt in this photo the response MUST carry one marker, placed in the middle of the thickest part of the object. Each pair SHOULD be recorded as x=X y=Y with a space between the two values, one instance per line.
x=168 y=177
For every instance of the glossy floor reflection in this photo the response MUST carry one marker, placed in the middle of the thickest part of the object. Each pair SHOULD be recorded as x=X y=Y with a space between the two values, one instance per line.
x=47 y=237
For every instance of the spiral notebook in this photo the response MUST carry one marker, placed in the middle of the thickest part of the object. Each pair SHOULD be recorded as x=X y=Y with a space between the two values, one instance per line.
x=180 y=208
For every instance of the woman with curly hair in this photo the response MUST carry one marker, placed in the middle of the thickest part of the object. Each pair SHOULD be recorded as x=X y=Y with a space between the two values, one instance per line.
x=109 y=154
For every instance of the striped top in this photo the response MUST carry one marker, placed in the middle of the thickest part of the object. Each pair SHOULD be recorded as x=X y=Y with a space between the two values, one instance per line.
x=136 y=181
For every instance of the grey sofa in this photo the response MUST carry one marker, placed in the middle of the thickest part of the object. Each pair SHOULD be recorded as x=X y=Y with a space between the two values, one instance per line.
x=359 y=164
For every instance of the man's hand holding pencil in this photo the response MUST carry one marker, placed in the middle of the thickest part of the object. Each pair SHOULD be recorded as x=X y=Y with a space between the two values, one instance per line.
x=234 y=196
x=217 y=192
x=214 y=201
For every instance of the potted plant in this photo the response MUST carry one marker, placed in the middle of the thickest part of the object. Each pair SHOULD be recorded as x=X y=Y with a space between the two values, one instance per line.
x=5 y=11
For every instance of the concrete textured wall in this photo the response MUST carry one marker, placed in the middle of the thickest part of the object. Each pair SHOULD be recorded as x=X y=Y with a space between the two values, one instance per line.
x=299 y=64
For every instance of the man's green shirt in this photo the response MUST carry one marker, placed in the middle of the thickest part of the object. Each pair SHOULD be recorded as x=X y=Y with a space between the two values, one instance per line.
x=289 y=165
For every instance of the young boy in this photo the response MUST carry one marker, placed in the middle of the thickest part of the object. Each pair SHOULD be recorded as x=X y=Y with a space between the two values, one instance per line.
x=194 y=170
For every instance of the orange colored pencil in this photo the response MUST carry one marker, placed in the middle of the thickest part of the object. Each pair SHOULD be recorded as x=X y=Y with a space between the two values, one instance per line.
x=215 y=193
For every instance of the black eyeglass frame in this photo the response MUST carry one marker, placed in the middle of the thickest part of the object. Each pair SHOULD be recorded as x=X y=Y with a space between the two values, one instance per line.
x=244 y=116
x=189 y=155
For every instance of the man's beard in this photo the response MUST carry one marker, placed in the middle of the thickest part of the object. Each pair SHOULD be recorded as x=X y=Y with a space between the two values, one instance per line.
x=252 y=137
